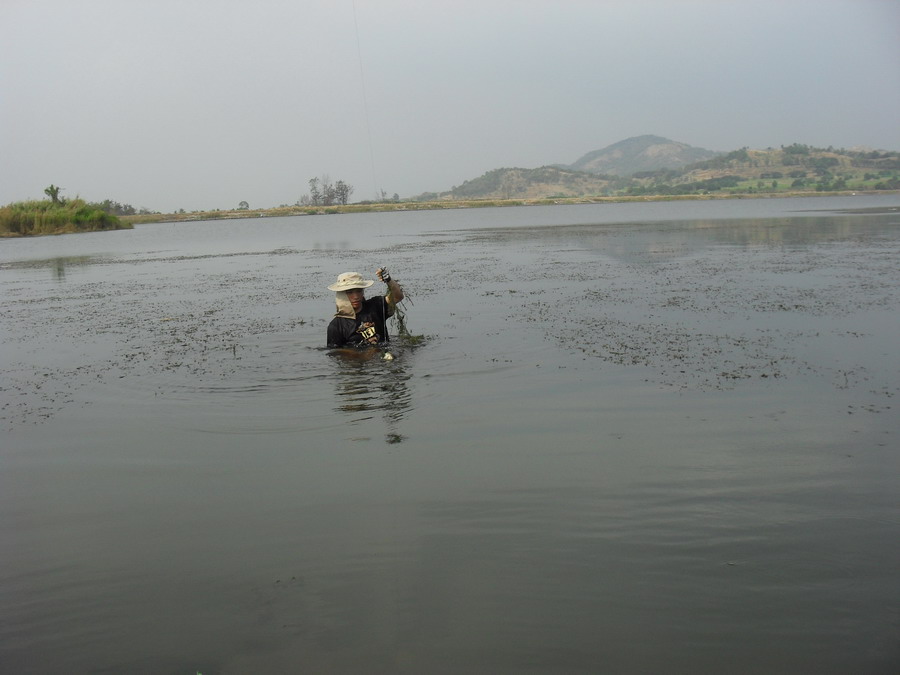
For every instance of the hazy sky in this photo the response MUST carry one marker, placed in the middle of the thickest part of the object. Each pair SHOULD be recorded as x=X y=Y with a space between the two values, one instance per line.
x=200 y=104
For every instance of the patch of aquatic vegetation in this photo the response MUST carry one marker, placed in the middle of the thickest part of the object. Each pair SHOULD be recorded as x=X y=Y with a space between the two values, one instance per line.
x=412 y=340
x=406 y=337
x=60 y=217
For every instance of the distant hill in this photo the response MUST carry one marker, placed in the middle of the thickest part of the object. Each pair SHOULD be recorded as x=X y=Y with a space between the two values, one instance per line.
x=641 y=153
x=651 y=165
x=517 y=183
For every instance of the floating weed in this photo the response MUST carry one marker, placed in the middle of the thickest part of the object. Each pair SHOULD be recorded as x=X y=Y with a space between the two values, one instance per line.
x=406 y=337
x=412 y=340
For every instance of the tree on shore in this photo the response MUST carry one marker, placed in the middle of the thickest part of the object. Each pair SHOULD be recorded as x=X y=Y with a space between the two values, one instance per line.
x=342 y=192
x=53 y=192
x=327 y=191
x=315 y=195
x=322 y=192
x=117 y=209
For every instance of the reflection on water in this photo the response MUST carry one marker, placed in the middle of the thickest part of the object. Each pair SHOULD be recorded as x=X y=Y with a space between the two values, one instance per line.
x=368 y=384
x=659 y=241
x=59 y=269
x=57 y=265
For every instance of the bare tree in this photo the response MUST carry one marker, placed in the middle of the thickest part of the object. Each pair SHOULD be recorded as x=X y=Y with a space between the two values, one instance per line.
x=328 y=196
x=343 y=191
x=315 y=196
x=322 y=192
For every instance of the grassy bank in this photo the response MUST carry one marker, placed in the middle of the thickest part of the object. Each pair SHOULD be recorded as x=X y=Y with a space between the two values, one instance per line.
x=22 y=219
x=375 y=207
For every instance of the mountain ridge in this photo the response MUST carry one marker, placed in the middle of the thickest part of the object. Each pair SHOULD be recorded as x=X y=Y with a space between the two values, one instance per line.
x=640 y=153
x=660 y=166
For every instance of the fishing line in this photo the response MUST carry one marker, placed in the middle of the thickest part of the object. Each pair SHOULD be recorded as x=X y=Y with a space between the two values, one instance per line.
x=362 y=79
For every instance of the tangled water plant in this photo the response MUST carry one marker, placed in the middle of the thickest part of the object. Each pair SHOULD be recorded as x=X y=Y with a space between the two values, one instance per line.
x=406 y=337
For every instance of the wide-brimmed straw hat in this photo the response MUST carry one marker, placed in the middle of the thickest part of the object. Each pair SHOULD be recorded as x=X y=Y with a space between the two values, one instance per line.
x=349 y=280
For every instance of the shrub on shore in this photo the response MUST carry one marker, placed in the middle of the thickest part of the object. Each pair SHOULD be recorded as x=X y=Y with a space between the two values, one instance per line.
x=47 y=217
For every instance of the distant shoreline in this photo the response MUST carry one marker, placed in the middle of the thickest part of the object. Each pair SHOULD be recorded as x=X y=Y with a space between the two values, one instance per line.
x=376 y=207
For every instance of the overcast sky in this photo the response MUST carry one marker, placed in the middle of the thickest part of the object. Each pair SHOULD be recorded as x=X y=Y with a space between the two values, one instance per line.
x=200 y=104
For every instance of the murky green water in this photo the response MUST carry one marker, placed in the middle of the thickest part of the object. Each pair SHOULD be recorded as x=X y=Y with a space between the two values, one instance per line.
x=636 y=438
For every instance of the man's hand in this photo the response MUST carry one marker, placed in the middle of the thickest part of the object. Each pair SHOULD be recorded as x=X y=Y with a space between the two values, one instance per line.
x=395 y=293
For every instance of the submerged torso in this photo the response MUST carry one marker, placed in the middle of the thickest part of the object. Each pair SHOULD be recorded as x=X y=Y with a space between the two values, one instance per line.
x=369 y=326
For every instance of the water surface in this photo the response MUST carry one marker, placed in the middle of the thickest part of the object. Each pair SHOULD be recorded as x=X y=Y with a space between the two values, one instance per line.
x=635 y=438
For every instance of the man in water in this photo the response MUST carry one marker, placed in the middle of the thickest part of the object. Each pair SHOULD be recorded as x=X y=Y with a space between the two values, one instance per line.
x=358 y=321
